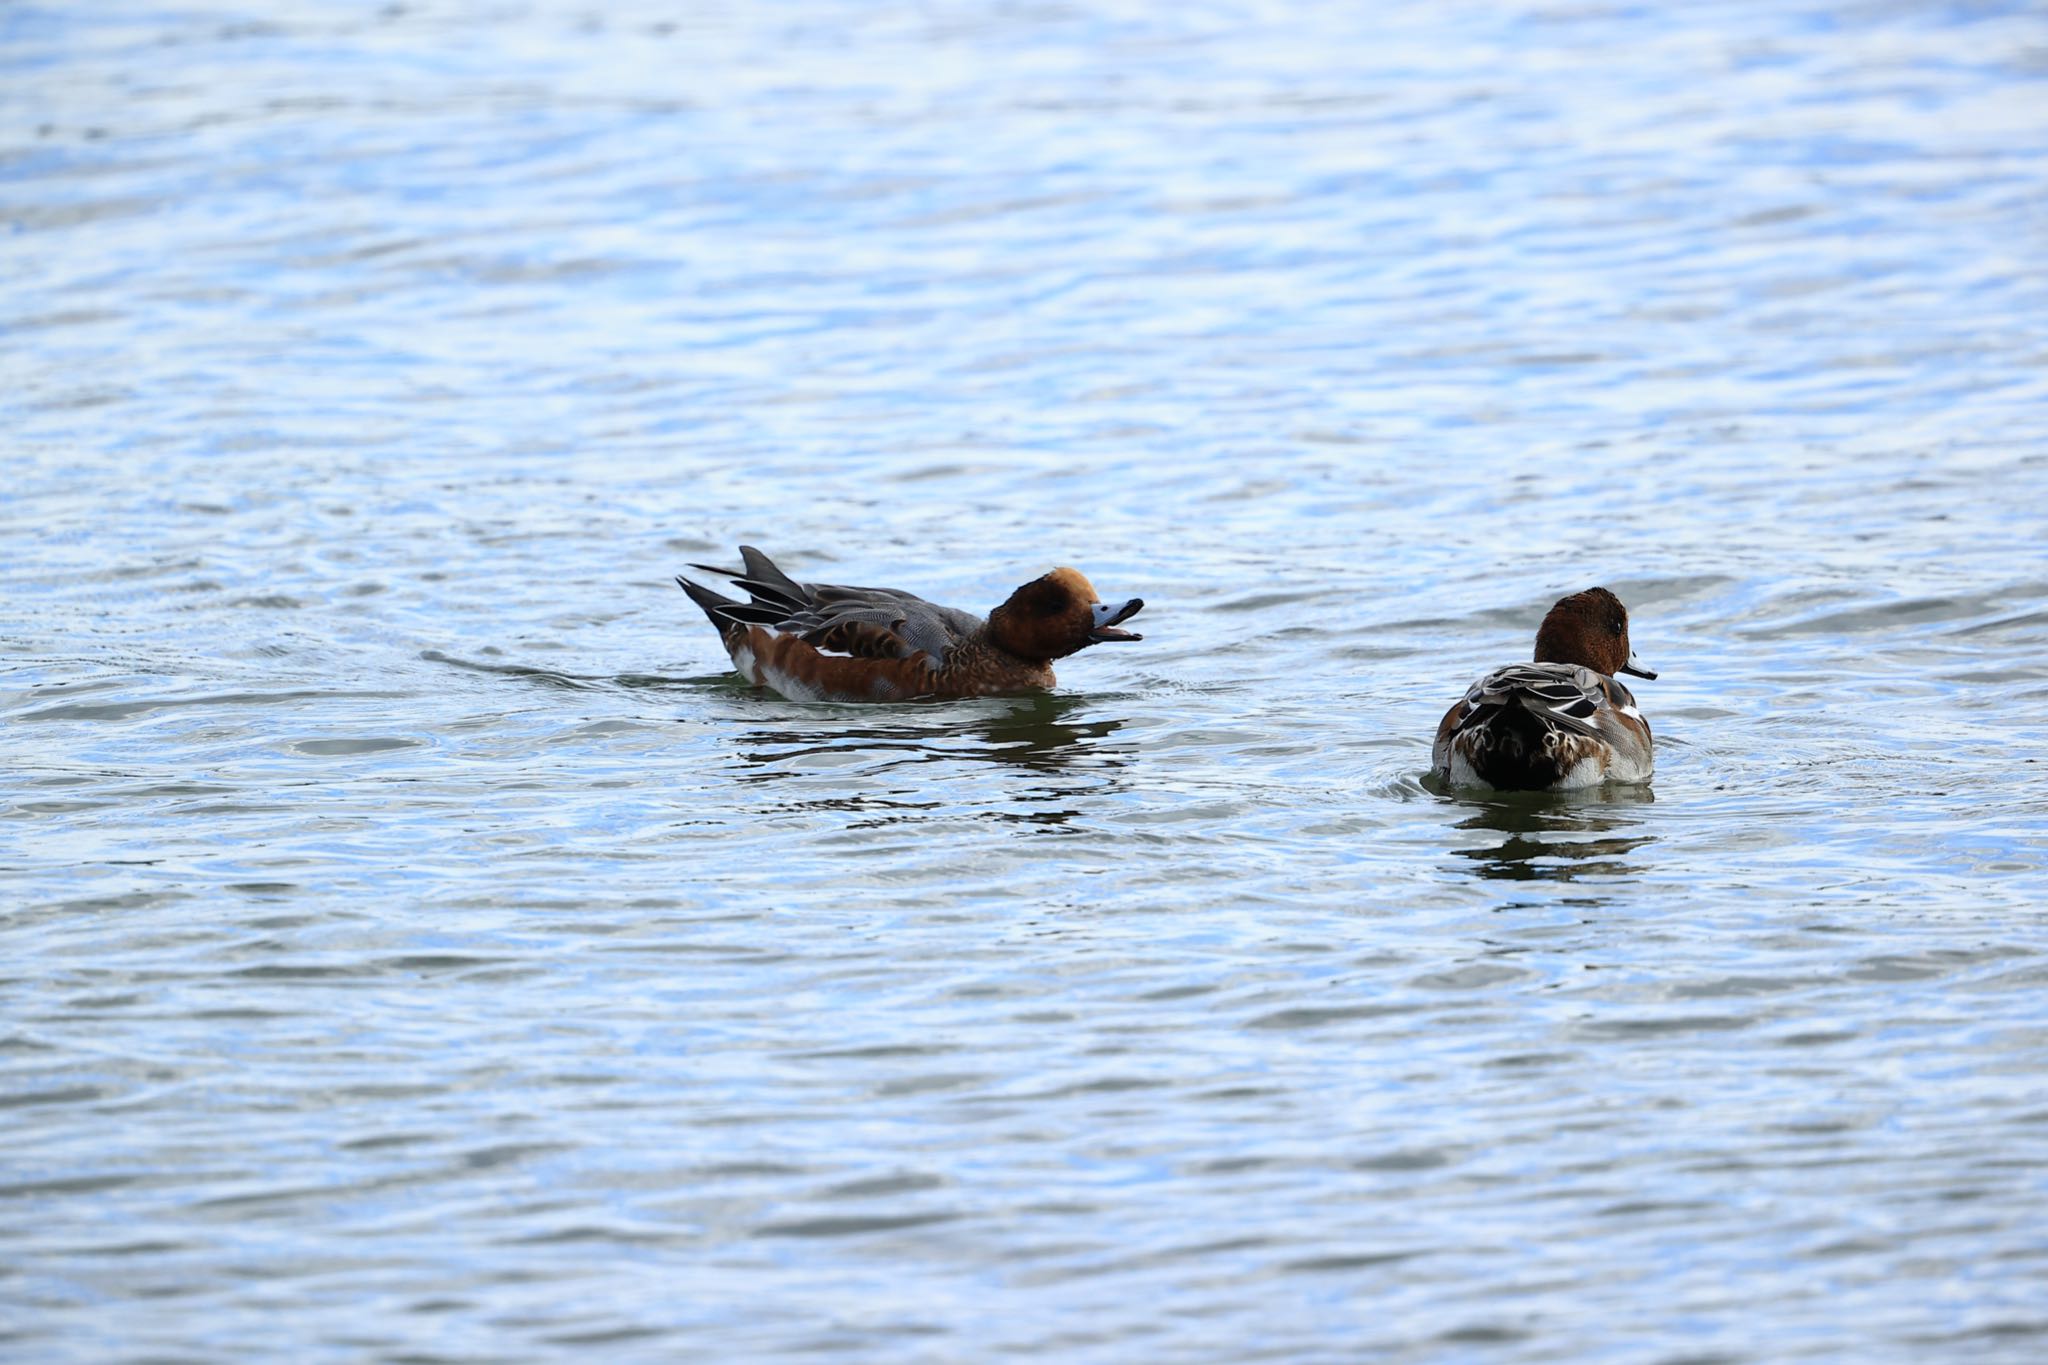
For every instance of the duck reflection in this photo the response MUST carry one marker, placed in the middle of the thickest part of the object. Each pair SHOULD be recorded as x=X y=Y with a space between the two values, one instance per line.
x=1041 y=731
x=1558 y=836
x=1043 y=734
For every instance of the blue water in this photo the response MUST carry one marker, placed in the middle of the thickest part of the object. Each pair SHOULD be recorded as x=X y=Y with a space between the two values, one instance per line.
x=415 y=943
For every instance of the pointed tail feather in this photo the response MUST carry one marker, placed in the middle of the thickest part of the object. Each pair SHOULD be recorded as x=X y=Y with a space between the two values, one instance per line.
x=768 y=586
x=764 y=580
x=714 y=606
x=718 y=571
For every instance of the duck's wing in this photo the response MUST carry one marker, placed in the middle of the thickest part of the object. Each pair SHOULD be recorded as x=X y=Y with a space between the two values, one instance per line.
x=1627 y=733
x=1544 y=726
x=884 y=623
x=869 y=623
x=1562 y=696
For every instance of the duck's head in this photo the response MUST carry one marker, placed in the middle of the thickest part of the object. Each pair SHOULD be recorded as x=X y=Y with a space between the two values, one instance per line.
x=1057 y=615
x=1590 y=629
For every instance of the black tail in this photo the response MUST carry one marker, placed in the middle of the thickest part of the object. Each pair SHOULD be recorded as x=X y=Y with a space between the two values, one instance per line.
x=767 y=585
x=773 y=596
x=1517 y=758
x=715 y=607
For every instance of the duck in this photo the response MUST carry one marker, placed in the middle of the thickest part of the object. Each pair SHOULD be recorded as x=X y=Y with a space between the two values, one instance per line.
x=1559 y=723
x=825 y=642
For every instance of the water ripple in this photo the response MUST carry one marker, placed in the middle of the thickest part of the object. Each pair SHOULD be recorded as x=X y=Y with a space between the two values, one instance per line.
x=419 y=943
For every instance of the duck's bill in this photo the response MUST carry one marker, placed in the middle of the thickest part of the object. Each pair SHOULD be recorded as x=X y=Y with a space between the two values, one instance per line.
x=1635 y=666
x=1109 y=614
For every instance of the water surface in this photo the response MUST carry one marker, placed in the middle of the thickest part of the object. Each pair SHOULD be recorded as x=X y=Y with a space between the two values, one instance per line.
x=418 y=946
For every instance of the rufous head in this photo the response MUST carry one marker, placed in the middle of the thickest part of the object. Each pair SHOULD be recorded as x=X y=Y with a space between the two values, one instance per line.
x=1590 y=629
x=1054 y=616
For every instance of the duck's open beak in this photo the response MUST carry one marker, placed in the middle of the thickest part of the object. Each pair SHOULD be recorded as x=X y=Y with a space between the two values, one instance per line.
x=1107 y=614
x=1635 y=666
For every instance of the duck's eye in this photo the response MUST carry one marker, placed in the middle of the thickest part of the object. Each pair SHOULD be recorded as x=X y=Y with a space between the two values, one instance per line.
x=1050 y=599
x=1617 y=626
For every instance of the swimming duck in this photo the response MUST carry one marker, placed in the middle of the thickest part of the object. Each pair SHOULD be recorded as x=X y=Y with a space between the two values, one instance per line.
x=821 y=642
x=1561 y=722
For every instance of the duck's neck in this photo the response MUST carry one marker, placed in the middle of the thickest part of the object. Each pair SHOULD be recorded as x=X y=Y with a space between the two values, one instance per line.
x=979 y=665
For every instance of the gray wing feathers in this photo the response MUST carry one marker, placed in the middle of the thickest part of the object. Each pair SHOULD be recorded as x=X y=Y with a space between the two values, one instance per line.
x=1563 y=694
x=933 y=629
x=916 y=625
x=882 y=622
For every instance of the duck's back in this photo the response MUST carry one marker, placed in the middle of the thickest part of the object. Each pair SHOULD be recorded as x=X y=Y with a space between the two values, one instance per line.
x=1543 y=727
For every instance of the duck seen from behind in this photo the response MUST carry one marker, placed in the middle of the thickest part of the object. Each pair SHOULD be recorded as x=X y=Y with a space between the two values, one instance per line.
x=823 y=642
x=1559 y=723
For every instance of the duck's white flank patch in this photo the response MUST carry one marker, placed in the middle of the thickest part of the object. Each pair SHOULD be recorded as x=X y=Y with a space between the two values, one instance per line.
x=1587 y=772
x=1463 y=773
x=1630 y=765
x=791 y=686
